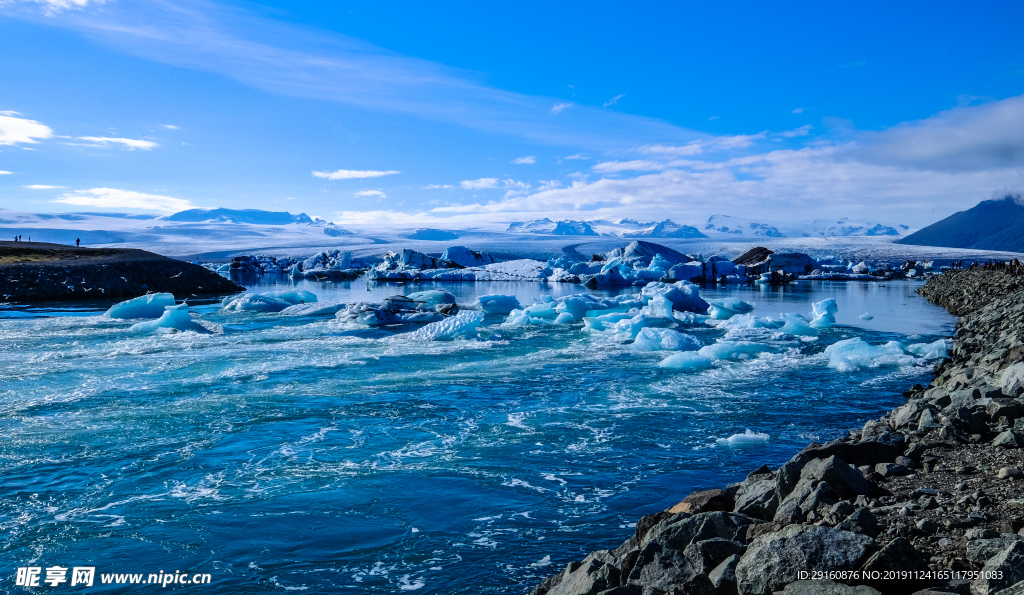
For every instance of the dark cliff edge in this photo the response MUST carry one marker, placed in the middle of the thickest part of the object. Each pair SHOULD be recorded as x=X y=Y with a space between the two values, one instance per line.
x=36 y=272
x=928 y=499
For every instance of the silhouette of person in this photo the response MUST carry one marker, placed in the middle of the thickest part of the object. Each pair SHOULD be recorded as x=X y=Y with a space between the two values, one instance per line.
x=78 y=241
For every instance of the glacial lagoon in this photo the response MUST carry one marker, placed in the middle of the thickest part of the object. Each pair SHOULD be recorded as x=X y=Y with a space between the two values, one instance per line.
x=289 y=453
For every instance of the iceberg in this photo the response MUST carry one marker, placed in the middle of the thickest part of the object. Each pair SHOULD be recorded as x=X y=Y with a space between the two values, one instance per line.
x=936 y=350
x=432 y=298
x=723 y=309
x=663 y=339
x=463 y=324
x=795 y=324
x=463 y=256
x=292 y=296
x=147 y=306
x=747 y=438
x=174 y=318
x=824 y=313
x=684 y=296
x=866 y=316
x=736 y=350
x=604 y=322
x=313 y=309
x=853 y=354
x=688 y=360
x=254 y=302
x=496 y=304
x=635 y=324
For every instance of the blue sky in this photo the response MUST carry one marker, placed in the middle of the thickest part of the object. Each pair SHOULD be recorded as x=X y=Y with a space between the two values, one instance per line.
x=410 y=113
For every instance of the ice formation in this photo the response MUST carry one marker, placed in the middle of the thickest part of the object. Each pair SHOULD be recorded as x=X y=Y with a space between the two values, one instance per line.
x=723 y=309
x=174 y=318
x=466 y=257
x=580 y=307
x=423 y=306
x=866 y=316
x=147 y=306
x=463 y=324
x=314 y=309
x=293 y=296
x=663 y=339
x=936 y=350
x=824 y=313
x=496 y=304
x=687 y=360
x=852 y=354
x=747 y=438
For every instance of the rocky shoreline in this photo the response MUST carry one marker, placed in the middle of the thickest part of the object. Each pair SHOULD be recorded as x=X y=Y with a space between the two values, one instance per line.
x=36 y=272
x=928 y=499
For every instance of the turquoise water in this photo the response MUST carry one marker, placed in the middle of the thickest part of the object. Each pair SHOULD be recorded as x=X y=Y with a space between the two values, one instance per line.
x=295 y=454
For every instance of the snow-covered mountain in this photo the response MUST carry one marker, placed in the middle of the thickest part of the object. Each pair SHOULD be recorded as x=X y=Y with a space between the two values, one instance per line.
x=666 y=229
x=989 y=225
x=558 y=228
x=238 y=216
x=737 y=227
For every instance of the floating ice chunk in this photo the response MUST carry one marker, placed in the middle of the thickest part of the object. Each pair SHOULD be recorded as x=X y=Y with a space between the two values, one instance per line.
x=747 y=438
x=603 y=322
x=738 y=350
x=147 y=306
x=824 y=313
x=468 y=258
x=797 y=325
x=726 y=308
x=688 y=360
x=866 y=316
x=497 y=304
x=174 y=318
x=564 y=318
x=854 y=354
x=663 y=339
x=936 y=350
x=462 y=324
x=685 y=296
x=314 y=309
x=292 y=296
x=659 y=306
x=634 y=325
x=254 y=302
x=432 y=298
x=224 y=268
x=374 y=314
x=748 y=321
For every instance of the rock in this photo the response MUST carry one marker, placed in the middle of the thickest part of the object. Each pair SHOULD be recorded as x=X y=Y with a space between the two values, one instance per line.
x=788 y=474
x=1011 y=381
x=646 y=522
x=791 y=510
x=1002 y=570
x=589 y=579
x=678 y=533
x=723 y=577
x=846 y=482
x=825 y=587
x=705 y=501
x=1009 y=473
x=774 y=560
x=660 y=567
x=927 y=421
x=861 y=521
x=891 y=469
x=1008 y=439
x=905 y=462
x=757 y=497
x=861 y=453
x=981 y=550
x=706 y=555
x=897 y=556
x=927 y=526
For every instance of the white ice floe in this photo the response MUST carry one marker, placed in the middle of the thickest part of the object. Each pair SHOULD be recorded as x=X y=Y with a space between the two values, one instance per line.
x=824 y=313
x=174 y=318
x=293 y=296
x=663 y=339
x=687 y=360
x=747 y=438
x=463 y=324
x=866 y=316
x=723 y=309
x=147 y=306
x=936 y=350
x=496 y=304
x=254 y=302
x=314 y=309
x=853 y=354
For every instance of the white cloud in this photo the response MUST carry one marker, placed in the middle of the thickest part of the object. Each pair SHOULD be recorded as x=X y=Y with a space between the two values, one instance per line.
x=5 y=173
x=549 y=185
x=799 y=110
x=20 y=130
x=614 y=100
x=54 y=6
x=439 y=186
x=129 y=143
x=479 y=184
x=802 y=131
x=694 y=148
x=112 y=198
x=41 y=187
x=576 y=156
x=377 y=193
x=171 y=126
x=528 y=160
x=352 y=174
x=561 y=106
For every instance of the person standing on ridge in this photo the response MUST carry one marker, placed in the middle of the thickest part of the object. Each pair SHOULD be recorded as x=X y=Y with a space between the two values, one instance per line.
x=78 y=241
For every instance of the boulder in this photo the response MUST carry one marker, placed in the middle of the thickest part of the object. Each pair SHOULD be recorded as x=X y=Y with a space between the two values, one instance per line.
x=899 y=556
x=1002 y=570
x=723 y=577
x=705 y=501
x=847 y=482
x=589 y=579
x=757 y=497
x=861 y=521
x=660 y=567
x=1008 y=439
x=775 y=560
x=678 y=533
x=825 y=587
x=980 y=551
x=1011 y=381
x=706 y=555
x=861 y=453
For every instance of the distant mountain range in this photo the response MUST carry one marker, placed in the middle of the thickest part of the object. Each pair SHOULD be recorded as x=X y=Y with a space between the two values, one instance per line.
x=238 y=216
x=727 y=225
x=625 y=228
x=989 y=225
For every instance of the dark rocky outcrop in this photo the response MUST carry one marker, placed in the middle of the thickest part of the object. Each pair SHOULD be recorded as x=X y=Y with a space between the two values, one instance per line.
x=35 y=272
x=934 y=485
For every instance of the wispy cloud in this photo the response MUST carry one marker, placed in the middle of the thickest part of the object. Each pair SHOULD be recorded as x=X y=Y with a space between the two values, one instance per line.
x=802 y=131
x=528 y=160
x=112 y=198
x=129 y=143
x=439 y=186
x=41 y=187
x=352 y=174
x=479 y=184
x=614 y=100
x=799 y=110
x=20 y=130
x=561 y=106
x=376 y=193
x=4 y=173
x=576 y=156
x=55 y=6
x=171 y=126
